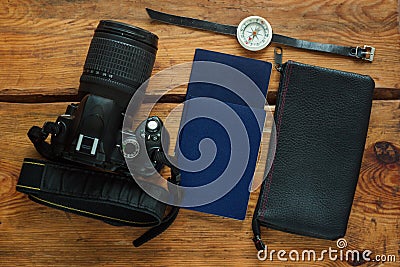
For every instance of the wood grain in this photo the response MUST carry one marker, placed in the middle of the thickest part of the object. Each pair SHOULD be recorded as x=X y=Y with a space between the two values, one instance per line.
x=43 y=43
x=31 y=234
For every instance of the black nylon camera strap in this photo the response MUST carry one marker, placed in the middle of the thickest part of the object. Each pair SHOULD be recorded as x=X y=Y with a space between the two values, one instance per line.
x=38 y=136
x=107 y=196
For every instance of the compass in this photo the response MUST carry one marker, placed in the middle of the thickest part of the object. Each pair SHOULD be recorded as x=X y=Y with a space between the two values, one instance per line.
x=254 y=33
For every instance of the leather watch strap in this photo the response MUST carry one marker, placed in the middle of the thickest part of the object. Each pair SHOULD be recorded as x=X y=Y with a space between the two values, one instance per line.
x=192 y=23
x=365 y=52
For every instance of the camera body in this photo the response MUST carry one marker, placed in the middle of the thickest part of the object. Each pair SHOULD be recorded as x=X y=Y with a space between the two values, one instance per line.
x=97 y=133
x=90 y=133
x=119 y=60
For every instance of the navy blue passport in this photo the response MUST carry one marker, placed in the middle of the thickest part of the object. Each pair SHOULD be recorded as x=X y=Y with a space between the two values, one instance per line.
x=221 y=125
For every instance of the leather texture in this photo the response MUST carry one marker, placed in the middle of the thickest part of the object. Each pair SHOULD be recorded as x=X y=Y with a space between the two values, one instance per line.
x=356 y=52
x=191 y=22
x=322 y=118
x=318 y=47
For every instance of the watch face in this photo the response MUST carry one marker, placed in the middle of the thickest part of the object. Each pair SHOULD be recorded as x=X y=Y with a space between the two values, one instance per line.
x=254 y=33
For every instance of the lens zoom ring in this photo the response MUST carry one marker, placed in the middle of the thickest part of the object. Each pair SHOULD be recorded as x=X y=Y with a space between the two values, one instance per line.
x=117 y=58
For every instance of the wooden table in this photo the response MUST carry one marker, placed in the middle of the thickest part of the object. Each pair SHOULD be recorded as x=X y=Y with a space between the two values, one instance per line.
x=43 y=45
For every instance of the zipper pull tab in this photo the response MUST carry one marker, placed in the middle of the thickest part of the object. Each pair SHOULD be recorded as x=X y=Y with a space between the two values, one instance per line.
x=278 y=58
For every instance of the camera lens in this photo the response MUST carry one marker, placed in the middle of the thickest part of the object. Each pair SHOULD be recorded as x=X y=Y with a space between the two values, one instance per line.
x=119 y=60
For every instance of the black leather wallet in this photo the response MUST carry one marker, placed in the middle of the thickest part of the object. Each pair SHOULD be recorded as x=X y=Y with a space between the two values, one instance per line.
x=321 y=118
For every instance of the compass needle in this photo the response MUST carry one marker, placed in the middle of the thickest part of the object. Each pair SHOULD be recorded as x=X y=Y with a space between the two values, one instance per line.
x=256 y=25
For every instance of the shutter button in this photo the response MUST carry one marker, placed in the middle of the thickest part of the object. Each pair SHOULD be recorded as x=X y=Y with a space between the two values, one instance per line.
x=152 y=126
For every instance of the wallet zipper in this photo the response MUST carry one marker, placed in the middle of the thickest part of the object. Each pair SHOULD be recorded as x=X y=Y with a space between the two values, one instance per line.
x=283 y=75
x=281 y=67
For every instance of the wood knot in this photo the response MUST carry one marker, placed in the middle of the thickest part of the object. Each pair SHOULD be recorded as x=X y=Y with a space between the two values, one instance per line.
x=386 y=152
x=7 y=185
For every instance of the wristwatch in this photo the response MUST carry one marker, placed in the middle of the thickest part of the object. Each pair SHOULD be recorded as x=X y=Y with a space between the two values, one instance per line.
x=255 y=33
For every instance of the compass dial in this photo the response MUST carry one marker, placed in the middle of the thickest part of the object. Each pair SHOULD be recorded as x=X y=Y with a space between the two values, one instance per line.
x=254 y=33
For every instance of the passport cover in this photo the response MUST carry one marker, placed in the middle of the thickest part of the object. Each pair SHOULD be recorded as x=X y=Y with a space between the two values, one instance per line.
x=321 y=118
x=252 y=114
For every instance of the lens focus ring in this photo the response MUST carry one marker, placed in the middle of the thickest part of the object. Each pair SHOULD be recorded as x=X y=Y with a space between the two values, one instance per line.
x=114 y=59
x=120 y=58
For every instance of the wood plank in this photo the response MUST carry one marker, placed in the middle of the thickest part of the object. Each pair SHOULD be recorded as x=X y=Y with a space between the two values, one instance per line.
x=31 y=234
x=43 y=43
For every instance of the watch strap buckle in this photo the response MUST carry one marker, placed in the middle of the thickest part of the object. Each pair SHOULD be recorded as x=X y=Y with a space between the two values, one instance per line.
x=365 y=53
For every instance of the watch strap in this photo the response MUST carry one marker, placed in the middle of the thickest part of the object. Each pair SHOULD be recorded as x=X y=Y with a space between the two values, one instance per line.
x=191 y=22
x=364 y=53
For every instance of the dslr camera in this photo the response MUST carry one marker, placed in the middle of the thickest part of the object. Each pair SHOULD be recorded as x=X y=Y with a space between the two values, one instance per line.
x=119 y=60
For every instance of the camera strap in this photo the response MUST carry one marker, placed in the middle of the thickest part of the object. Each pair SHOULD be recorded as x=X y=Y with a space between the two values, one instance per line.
x=38 y=137
x=110 y=197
